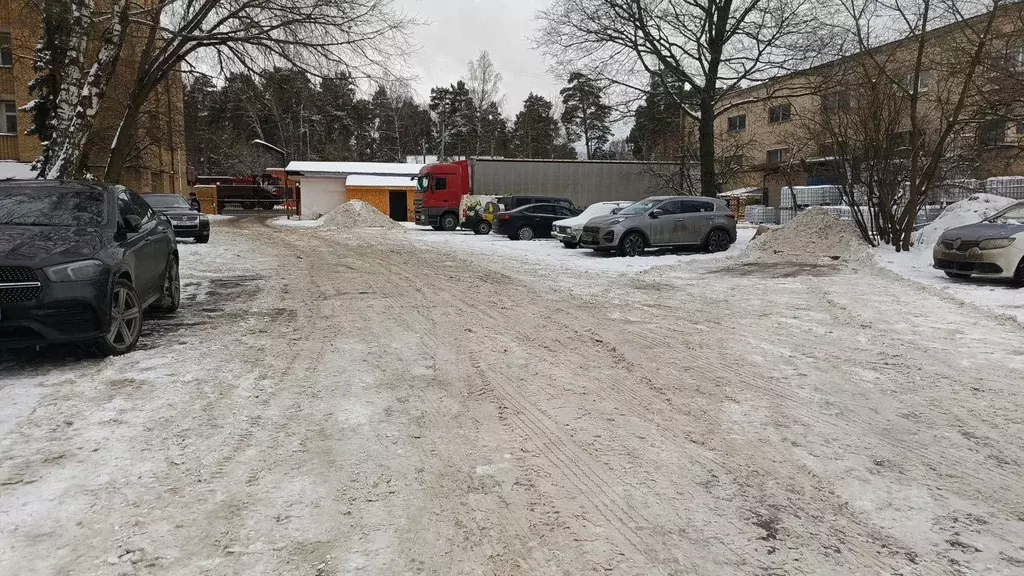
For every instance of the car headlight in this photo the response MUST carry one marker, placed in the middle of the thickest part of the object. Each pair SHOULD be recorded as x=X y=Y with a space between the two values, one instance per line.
x=615 y=221
x=995 y=243
x=75 y=271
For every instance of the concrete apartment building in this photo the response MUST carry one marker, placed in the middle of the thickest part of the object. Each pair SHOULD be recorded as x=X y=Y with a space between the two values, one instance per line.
x=158 y=161
x=778 y=141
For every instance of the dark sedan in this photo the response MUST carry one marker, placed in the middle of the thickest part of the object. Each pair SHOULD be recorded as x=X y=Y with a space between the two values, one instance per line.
x=80 y=262
x=187 y=222
x=532 y=221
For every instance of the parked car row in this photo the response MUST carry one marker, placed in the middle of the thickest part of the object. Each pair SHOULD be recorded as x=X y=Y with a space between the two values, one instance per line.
x=84 y=262
x=628 y=228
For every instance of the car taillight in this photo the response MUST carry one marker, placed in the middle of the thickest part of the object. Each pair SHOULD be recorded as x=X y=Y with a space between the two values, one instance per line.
x=504 y=217
x=463 y=214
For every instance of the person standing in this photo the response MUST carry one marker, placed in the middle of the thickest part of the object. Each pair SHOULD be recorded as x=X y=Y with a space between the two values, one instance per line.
x=193 y=201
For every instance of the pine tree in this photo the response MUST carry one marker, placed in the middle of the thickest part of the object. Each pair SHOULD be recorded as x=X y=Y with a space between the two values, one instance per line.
x=584 y=114
x=535 y=132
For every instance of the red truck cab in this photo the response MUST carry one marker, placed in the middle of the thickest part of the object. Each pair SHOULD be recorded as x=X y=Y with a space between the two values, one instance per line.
x=439 y=190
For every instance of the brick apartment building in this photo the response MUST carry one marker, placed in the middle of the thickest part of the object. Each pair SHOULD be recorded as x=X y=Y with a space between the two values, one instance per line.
x=158 y=162
x=769 y=143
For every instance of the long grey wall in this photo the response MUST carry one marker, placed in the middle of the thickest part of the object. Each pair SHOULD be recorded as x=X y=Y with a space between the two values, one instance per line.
x=585 y=182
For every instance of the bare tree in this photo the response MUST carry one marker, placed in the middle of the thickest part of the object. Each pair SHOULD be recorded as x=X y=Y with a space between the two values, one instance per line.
x=484 y=81
x=902 y=116
x=76 y=94
x=703 y=48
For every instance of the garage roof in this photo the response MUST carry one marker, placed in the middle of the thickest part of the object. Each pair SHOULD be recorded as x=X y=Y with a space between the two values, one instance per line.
x=380 y=181
x=343 y=169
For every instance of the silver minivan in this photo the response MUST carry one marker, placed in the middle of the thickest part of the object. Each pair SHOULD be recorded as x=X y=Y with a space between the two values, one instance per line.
x=663 y=222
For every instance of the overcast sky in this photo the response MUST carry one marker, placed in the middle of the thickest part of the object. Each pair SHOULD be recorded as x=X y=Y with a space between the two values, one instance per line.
x=457 y=30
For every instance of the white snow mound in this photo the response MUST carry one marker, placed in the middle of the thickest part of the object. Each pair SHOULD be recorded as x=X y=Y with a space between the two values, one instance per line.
x=357 y=214
x=971 y=211
x=814 y=234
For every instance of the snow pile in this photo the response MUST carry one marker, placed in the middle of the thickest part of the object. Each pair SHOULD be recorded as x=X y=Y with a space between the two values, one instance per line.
x=971 y=211
x=813 y=234
x=357 y=214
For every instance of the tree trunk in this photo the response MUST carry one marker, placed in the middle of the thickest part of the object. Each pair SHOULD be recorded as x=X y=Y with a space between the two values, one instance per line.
x=706 y=147
x=69 y=92
x=119 y=148
x=74 y=129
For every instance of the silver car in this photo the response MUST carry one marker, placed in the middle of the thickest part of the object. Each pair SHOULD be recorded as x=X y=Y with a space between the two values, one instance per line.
x=663 y=222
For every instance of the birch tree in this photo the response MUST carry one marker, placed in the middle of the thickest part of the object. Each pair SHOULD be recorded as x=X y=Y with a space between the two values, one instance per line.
x=319 y=37
x=708 y=48
x=68 y=97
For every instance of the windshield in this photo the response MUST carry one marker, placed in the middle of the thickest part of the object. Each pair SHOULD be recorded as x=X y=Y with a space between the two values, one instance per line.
x=52 y=207
x=167 y=201
x=422 y=183
x=1012 y=215
x=641 y=207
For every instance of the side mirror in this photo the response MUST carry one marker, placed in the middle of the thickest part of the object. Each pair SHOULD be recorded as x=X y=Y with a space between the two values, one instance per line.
x=655 y=214
x=132 y=223
x=616 y=211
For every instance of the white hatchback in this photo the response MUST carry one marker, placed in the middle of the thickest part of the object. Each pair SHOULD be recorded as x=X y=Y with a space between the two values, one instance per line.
x=568 y=231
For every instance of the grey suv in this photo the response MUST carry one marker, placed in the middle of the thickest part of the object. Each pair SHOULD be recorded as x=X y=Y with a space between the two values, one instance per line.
x=663 y=221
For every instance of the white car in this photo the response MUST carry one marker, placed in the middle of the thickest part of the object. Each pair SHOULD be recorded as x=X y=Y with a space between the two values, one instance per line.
x=990 y=249
x=568 y=231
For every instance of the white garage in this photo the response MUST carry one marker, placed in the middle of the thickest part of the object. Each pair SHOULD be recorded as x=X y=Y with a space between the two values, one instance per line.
x=323 y=183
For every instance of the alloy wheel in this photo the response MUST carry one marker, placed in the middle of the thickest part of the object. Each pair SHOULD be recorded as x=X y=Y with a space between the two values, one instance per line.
x=526 y=233
x=633 y=245
x=125 y=319
x=172 y=287
x=718 y=241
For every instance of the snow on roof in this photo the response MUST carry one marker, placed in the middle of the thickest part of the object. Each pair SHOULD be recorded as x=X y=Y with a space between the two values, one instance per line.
x=741 y=192
x=380 y=181
x=341 y=169
x=16 y=170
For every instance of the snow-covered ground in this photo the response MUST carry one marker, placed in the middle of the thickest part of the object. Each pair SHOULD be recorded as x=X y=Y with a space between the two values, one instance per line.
x=333 y=401
x=295 y=222
x=998 y=296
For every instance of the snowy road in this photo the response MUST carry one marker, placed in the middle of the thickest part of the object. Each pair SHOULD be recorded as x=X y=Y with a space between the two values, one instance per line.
x=382 y=403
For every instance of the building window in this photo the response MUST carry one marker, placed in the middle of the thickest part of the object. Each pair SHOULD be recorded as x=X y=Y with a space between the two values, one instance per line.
x=777 y=156
x=156 y=183
x=6 y=58
x=1020 y=128
x=780 y=113
x=992 y=133
x=836 y=102
x=9 y=118
x=901 y=140
x=737 y=123
x=924 y=81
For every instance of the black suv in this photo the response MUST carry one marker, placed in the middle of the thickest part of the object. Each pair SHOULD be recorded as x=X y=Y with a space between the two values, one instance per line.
x=80 y=262
x=187 y=222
